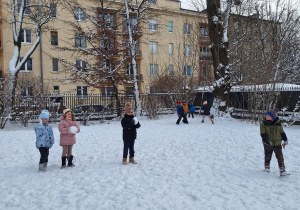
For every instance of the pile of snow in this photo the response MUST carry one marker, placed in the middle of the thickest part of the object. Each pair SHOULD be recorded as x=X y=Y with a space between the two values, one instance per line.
x=186 y=166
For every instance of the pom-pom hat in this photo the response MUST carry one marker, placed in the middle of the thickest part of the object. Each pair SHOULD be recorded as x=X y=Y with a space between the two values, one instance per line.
x=44 y=114
x=272 y=113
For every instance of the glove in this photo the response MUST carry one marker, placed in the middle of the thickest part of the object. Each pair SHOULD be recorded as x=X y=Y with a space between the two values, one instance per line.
x=284 y=144
x=135 y=121
x=268 y=143
x=50 y=146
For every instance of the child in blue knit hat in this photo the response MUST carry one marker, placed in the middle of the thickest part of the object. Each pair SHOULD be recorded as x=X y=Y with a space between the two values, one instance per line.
x=272 y=134
x=44 y=139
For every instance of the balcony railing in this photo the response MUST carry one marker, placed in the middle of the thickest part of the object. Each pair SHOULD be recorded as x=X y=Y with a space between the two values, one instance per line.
x=204 y=39
x=205 y=58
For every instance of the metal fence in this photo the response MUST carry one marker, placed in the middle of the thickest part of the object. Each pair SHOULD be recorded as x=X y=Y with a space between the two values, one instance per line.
x=27 y=108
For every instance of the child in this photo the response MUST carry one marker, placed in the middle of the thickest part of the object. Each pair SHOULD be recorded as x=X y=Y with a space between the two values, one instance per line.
x=129 y=124
x=181 y=114
x=272 y=134
x=44 y=139
x=191 y=110
x=205 y=111
x=68 y=128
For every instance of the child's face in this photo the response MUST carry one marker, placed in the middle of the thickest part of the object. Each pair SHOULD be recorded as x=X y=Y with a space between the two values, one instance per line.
x=44 y=121
x=68 y=115
x=269 y=118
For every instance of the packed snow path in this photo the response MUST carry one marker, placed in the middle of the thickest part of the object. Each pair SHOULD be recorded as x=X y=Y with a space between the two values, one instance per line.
x=194 y=166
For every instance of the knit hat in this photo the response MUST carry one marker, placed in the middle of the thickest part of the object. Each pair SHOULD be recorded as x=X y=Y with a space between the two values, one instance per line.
x=44 y=114
x=272 y=113
x=179 y=102
x=128 y=108
x=183 y=101
x=67 y=110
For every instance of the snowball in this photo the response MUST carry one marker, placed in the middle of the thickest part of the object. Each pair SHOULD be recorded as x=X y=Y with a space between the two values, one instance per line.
x=73 y=129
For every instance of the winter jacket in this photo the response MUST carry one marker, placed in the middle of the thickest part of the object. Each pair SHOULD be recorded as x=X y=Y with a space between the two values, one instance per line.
x=66 y=137
x=185 y=108
x=44 y=135
x=205 y=110
x=272 y=131
x=180 y=109
x=191 y=108
x=129 y=128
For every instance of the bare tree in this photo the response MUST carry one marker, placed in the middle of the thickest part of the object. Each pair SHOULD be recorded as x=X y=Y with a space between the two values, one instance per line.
x=39 y=14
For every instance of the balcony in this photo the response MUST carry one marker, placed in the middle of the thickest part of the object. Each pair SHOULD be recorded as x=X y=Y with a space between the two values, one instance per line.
x=205 y=58
x=204 y=39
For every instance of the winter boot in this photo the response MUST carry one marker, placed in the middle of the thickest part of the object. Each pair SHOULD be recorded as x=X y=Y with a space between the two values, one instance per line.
x=131 y=160
x=70 y=161
x=45 y=166
x=202 y=121
x=282 y=171
x=267 y=169
x=124 y=161
x=63 y=162
x=42 y=167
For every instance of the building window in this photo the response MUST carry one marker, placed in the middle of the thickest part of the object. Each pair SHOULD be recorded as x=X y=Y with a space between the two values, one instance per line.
x=53 y=10
x=27 y=67
x=130 y=91
x=26 y=36
x=153 y=47
x=79 y=14
x=54 y=65
x=27 y=9
x=54 y=38
x=128 y=49
x=153 y=25
x=56 y=88
x=80 y=41
x=80 y=65
x=171 y=48
x=152 y=2
x=107 y=43
x=107 y=19
x=81 y=91
x=187 y=29
x=187 y=50
x=187 y=70
x=153 y=69
x=170 y=26
x=108 y=91
x=171 y=70
x=27 y=91
x=129 y=68
x=203 y=31
x=204 y=71
x=204 y=51
x=133 y=24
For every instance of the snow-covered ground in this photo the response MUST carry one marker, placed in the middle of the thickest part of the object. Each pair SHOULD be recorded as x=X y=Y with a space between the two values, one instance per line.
x=194 y=166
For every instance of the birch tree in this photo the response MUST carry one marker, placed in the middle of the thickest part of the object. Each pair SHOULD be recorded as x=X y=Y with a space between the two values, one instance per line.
x=38 y=14
x=134 y=15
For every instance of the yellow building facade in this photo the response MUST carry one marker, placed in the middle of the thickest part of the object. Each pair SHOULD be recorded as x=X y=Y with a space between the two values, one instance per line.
x=170 y=41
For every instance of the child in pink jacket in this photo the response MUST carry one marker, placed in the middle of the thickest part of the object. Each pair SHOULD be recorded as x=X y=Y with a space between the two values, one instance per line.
x=68 y=128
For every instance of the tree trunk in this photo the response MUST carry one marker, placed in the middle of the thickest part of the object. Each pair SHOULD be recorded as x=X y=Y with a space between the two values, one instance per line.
x=219 y=50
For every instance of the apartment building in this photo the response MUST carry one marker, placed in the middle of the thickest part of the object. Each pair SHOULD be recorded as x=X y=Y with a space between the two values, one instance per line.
x=169 y=40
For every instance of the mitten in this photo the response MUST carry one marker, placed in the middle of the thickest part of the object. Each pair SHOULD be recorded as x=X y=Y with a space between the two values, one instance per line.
x=135 y=120
x=50 y=146
x=268 y=143
x=285 y=142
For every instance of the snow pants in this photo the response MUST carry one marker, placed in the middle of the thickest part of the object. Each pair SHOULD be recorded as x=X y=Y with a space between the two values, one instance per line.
x=278 y=152
x=128 y=145
x=184 y=118
x=44 y=151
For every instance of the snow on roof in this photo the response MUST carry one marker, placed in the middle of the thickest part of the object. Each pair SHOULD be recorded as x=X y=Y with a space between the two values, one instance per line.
x=263 y=87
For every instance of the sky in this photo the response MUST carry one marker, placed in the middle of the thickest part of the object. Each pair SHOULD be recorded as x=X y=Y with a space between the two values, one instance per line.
x=191 y=166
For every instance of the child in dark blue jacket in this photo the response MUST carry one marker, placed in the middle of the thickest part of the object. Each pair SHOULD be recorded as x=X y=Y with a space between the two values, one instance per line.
x=44 y=139
x=180 y=112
